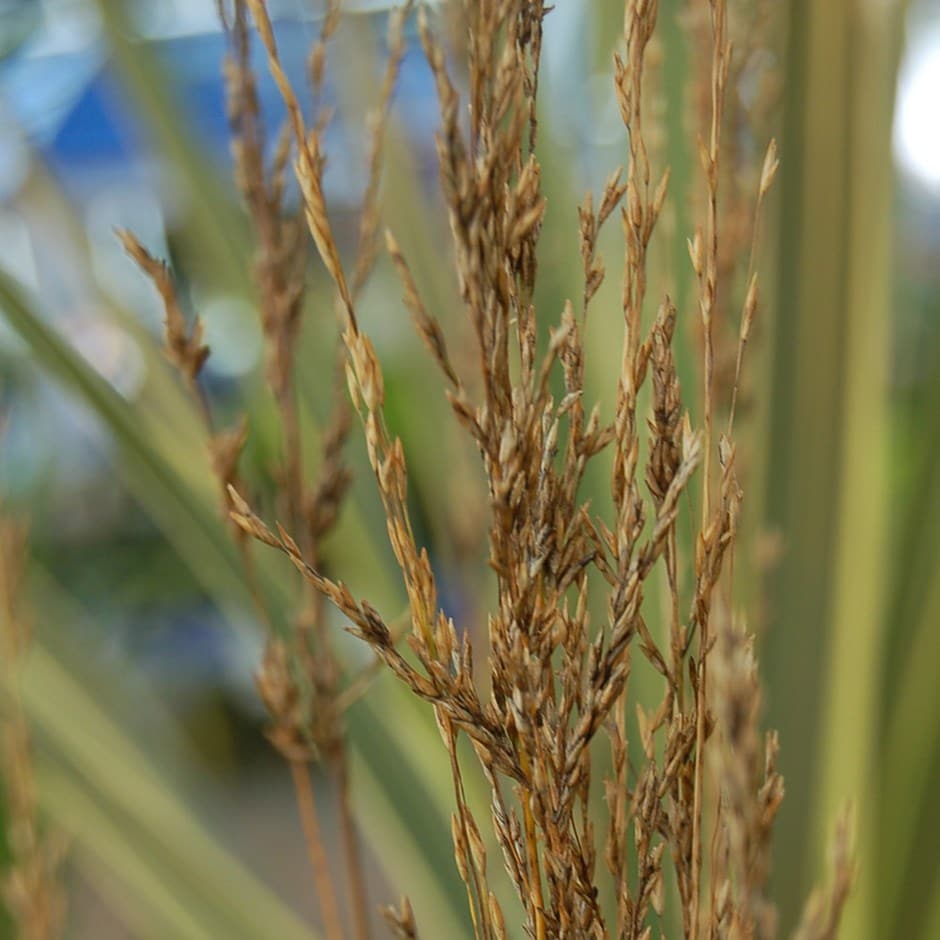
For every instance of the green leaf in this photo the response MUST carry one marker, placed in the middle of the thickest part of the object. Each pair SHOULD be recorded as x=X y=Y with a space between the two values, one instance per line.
x=137 y=823
x=827 y=464
x=193 y=529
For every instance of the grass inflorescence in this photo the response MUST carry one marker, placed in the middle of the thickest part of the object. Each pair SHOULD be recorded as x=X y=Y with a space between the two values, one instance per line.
x=690 y=781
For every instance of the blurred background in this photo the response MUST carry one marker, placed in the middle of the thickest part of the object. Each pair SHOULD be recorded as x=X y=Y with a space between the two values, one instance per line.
x=140 y=688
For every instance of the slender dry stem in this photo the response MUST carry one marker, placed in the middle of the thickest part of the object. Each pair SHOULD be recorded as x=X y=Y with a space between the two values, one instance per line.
x=326 y=889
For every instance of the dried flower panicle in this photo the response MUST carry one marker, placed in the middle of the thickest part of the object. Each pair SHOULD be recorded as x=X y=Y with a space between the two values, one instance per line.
x=821 y=916
x=300 y=680
x=184 y=346
x=401 y=920
x=750 y=107
x=750 y=788
x=554 y=681
x=557 y=681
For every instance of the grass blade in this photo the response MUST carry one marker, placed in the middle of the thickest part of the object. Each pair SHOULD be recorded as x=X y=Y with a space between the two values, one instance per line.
x=116 y=769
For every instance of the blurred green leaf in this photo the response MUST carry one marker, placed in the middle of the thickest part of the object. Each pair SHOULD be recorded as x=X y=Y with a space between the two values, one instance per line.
x=137 y=822
x=194 y=530
x=827 y=471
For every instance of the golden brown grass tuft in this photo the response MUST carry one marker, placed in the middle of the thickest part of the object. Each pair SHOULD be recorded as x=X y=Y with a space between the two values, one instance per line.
x=674 y=836
x=299 y=680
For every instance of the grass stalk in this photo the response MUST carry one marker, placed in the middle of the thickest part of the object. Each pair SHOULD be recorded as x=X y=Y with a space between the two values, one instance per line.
x=316 y=848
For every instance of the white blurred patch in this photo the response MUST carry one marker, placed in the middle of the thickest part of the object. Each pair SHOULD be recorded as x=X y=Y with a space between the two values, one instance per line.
x=917 y=118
